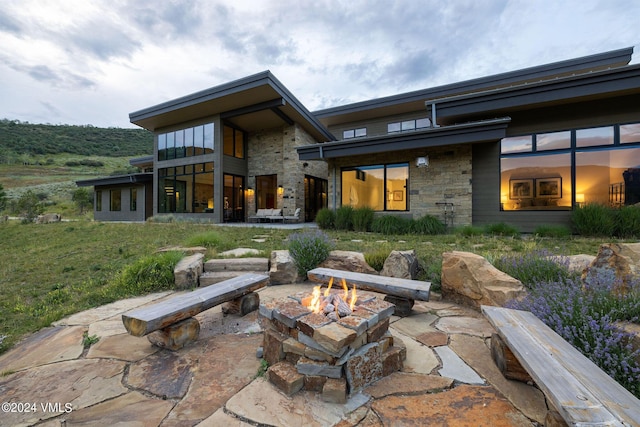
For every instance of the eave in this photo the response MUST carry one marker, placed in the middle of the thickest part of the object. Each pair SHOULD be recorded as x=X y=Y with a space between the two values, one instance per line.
x=137 y=178
x=475 y=132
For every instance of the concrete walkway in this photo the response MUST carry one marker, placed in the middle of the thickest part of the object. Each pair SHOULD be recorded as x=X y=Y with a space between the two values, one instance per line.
x=448 y=378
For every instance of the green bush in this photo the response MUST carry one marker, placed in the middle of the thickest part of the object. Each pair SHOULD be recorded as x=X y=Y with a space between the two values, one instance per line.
x=376 y=259
x=391 y=224
x=594 y=220
x=555 y=231
x=209 y=239
x=326 y=219
x=152 y=273
x=362 y=218
x=428 y=224
x=308 y=249
x=469 y=231
x=628 y=222
x=535 y=267
x=502 y=229
x=28 y=206
x=344 y=218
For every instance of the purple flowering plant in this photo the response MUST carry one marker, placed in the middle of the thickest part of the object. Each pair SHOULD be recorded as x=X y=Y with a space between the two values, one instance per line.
x=308 y=249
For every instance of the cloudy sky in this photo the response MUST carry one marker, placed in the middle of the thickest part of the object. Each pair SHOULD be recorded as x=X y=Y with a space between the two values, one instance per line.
x=95 y=61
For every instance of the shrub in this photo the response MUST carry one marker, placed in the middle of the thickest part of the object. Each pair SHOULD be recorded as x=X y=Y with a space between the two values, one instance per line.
x=152 y=273
x=469 y=231
x=376 y=259
x=584 y=314
x=535 y=267
x=594 y=220
x=628 y=222
x=555 y=231
x=308 y=249
x=209 y=239
x=344 y=218
x=390 y=224
x=362 y=218
x=428 y=224
x=28 y=206
x=502 y=229
x=326 y=219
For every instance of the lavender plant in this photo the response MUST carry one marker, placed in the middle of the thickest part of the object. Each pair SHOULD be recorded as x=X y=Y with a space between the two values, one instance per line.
x=308 y=249
x=534 y=267
x=585 y=315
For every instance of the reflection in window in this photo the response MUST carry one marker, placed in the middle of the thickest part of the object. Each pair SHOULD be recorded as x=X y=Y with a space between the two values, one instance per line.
x=610 y=178
x=516 y=144
x=98 y=200
x=188 y=142
x=187 y=189
x=115 y=200
x=594 y=136
x=630 y=133
x=553 y=141
x=536 y=182
x=133 y=199
x=408 y=125
x=266 y=196
x=233 y=142
x=354 y=133
x=380 y=187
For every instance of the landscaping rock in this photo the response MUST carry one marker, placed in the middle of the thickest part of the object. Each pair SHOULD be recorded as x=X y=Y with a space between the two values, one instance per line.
x=283 y=269
x=577 y=263
x=471 y=280
x=188 y=271
x=348 y=261
x=401 y=264
x=621 y=258
x=48 y=218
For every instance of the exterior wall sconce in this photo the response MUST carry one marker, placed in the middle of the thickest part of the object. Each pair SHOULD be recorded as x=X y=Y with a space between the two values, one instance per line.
x=422 y=162
x=249 y=191
x=280 y=190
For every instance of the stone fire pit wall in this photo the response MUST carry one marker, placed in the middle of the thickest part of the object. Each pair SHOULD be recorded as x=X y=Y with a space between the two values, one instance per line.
x=308 y=351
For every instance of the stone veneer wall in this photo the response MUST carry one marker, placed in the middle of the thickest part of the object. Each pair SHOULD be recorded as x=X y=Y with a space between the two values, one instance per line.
x=272 y=151
x=447 y=179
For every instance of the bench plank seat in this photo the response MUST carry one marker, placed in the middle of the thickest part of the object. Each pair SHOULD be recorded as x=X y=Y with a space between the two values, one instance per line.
x=144 y=320
x=580 y=391
x=403 y=288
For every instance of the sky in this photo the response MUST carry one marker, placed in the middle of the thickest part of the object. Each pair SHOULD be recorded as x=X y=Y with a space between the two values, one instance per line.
x=92 y=62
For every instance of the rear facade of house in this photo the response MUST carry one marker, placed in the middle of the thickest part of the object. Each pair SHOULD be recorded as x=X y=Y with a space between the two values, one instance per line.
x=524 y=147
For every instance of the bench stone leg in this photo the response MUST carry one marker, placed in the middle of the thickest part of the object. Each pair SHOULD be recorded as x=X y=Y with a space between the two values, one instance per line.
x=176 y=336
x=243 y=305
x=403 y=305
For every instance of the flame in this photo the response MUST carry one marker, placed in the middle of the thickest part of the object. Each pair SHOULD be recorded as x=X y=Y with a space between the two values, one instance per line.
x=326 y=292
x=314 y=305
x=354 y=297
x=346 y=290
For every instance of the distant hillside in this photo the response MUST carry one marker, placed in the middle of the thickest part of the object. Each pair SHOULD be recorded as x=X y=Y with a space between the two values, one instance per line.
x=17 y=138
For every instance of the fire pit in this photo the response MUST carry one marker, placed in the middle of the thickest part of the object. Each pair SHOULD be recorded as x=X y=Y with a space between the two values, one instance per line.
x=332 y=341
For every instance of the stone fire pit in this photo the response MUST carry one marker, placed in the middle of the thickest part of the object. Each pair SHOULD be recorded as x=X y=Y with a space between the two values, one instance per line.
x=333 y=351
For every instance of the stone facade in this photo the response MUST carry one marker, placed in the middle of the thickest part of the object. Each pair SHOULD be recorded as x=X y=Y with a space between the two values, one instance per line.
x=447 y=179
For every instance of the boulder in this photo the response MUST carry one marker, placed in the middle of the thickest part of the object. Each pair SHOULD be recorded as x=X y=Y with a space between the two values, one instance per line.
x=471 y=280
x=577 y=263
x=48 y=218
x=283 y=269
x=348 y=261
x=623 y=259
x=401 y=264
x=188 y=271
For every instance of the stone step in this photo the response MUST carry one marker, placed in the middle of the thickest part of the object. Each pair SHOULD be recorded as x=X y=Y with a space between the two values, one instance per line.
x=237 y=264
x=213 y=277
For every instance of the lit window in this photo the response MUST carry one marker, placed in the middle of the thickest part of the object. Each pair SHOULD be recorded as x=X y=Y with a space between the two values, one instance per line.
x=380 y=187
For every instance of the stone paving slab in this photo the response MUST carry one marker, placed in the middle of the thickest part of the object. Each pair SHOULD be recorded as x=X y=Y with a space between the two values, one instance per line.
x=420 y=359
x=122 y=347
x=416 y=325
x=479 y=327
x=454 y=367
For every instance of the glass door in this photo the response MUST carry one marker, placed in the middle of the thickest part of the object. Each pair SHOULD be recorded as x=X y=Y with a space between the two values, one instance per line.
x=233 y=202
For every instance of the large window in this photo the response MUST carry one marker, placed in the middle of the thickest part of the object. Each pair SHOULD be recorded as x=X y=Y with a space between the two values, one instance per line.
x=115 y=200
x=233 y=142
x=189 y=142
x=380 y=187
x=98 y=200
x=266 y=191
x=133 y=199
x=187 y=189
x=408 y=125
x=536 y=171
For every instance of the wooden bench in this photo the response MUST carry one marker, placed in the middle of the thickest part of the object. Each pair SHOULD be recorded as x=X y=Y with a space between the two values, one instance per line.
x=170 y=323
x=579 y=390
x=401 y=292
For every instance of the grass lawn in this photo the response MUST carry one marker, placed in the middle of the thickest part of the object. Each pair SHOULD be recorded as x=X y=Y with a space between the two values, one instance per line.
x=51 y=271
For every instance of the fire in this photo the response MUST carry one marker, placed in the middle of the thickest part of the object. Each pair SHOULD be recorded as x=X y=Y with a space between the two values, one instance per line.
x=314 y=305
x=346 y=290
x=354 y=298
x=319 y=303
x=326 y=292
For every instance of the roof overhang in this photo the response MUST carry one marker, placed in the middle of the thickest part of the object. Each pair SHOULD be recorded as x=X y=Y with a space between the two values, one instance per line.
x=475 y=132
x=252 y=103
x=136 y=178
x=597 y=85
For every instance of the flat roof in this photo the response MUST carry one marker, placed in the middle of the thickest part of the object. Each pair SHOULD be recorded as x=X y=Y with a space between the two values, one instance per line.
x=136 y=178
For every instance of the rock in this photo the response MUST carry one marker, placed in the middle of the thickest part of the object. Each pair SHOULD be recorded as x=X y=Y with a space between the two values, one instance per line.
x=188 y=271
x=187 y=250
x=633 y=329
x=577 y=263
x=177 y=335
x=402 y=264
x=347 y=261
x=471 y=280
x=283 y=269
x=48 y=218
x=621 y=258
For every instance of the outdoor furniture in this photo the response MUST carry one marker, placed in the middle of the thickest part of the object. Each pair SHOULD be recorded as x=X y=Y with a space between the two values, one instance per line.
x=293 y=218
x=276 y=215
x=579 y=390
x=261 y=215
x=401 y=292
x=173 y=318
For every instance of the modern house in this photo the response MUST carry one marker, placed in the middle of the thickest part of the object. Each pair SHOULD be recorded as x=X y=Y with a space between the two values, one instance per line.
x=523 y=147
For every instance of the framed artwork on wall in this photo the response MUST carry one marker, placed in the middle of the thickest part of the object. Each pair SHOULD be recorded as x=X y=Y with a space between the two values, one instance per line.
x=549 y=188
x=521 y=188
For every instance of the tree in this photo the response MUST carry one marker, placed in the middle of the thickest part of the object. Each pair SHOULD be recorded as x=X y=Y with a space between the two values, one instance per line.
x=3 y=198
x=29 y=206
x=82 y=198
